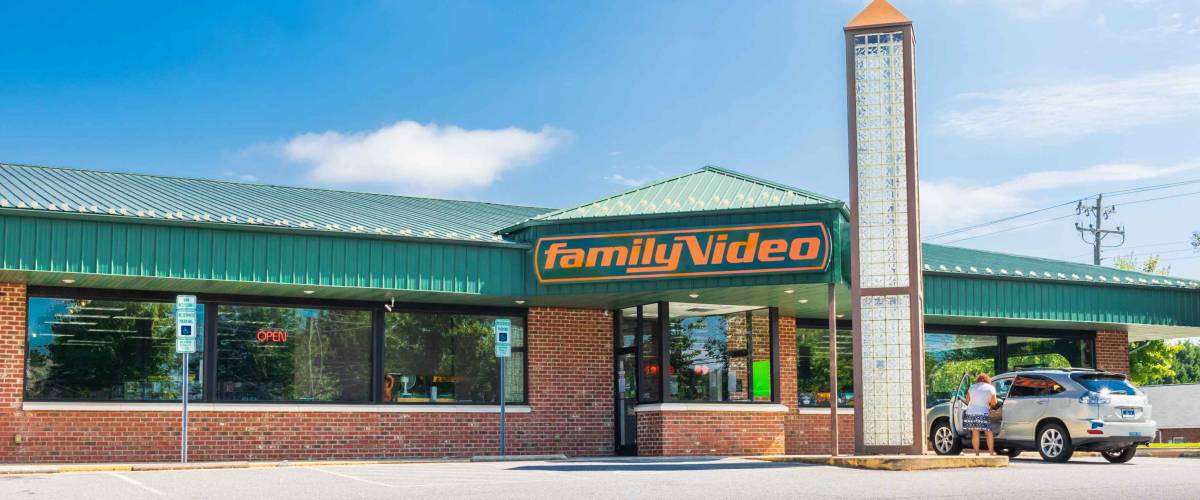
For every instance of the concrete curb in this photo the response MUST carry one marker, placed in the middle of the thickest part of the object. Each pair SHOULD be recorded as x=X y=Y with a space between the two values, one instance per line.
x=517 y=458
x=893 y=462
x=1168 y=452
x=171 y=466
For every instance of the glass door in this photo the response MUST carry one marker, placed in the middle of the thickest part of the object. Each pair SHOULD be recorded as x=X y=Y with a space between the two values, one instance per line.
x=625 y=365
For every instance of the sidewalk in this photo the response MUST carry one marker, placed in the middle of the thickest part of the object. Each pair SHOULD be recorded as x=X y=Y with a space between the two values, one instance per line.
x=151 y=466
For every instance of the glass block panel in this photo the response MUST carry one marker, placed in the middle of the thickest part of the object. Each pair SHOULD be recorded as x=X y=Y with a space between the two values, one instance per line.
x=887 y=362
x=882 y=173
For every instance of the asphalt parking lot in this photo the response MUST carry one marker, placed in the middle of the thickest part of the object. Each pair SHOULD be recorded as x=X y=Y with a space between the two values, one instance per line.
x=1090 y=478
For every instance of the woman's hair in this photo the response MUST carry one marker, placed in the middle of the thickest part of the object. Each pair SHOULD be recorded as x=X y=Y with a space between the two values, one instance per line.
x=983 y=378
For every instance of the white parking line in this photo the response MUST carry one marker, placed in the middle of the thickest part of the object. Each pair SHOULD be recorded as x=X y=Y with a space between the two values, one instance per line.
x=137 y=483
x=347 y=476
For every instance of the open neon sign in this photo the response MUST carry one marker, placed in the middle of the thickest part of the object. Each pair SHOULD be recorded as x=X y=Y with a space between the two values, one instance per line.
x=275 y=335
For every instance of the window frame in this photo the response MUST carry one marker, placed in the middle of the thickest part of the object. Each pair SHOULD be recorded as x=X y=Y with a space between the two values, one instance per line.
x=212 y=302
x=664 y=354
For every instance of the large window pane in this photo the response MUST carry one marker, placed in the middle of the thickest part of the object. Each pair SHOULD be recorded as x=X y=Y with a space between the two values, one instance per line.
x=948 y=356
x=1030 y=352
x=650 y=387
x=812 y=367
x=710 y=352
x=80 y=349
x=292 y=354
x=446 y=358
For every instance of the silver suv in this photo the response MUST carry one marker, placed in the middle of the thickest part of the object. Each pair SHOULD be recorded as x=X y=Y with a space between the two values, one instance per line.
x=1053 y=411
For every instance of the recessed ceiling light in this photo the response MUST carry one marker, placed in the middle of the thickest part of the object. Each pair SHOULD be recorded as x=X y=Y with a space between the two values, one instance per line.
x=789 y=291
x=693 y=295
x=68 y=281
x=841 y=315
x=519 y=301
x=309 y=292
x=803 y=301
x=983 y=321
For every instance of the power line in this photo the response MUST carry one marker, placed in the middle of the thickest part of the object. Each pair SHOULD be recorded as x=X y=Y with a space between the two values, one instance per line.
x=997 y=221
x=1013 y=228
x=1122 y=192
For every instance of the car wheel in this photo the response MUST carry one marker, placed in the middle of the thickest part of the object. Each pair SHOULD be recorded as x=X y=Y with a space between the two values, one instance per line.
x=944 y=440
x=1120 y=456
x=1054 y=444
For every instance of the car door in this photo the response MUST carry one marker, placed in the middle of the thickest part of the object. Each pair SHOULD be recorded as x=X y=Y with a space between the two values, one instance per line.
x=1024 y=406
x=958 y=404
x=1002 y=386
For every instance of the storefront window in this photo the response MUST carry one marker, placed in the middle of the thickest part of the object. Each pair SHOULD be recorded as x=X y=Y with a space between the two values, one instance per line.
x=812 y=367
x=293 y=354
x=104 y=350
x=1031 y=352
x=948 y=356
x=719 y=353
x=650 y=387
x=446 y=358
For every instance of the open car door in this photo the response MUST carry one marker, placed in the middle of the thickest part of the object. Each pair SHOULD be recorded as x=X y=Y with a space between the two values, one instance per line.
x=958 y=404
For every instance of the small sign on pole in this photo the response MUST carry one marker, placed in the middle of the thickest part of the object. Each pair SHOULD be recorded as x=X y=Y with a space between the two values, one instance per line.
x=185 y=343
x=503 y=330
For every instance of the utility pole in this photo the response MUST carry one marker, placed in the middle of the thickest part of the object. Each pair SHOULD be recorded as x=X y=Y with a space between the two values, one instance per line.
x=1097 y=229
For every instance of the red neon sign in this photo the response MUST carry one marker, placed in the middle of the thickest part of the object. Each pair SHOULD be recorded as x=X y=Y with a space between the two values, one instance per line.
x=271 y=335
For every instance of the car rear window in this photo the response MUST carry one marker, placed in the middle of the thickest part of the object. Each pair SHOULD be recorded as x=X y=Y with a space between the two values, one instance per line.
x=1101 y=382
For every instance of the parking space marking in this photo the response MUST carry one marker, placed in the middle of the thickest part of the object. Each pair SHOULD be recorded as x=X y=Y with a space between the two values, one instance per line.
x=348 y=476
x=137 y=483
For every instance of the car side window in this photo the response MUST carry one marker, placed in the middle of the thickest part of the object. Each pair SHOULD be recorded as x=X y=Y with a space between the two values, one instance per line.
x=1034 y=386
x=1002 y=386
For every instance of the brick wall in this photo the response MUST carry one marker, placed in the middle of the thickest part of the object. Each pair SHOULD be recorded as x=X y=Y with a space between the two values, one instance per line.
x=1112 y=351
x=808 y=433
x=667 y=433
x=570 y=393
x=1191 y=435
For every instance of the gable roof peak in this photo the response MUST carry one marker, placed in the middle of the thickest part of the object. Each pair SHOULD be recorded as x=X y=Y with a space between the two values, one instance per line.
x=878 y=13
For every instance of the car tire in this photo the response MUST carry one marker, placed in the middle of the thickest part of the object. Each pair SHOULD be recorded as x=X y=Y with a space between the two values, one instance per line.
x=944 y=440
x=1120 y=456
x=1012 y=452
x=1054 y=443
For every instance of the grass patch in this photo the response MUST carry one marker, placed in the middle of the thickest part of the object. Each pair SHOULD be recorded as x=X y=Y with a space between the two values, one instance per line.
x=1175 y=445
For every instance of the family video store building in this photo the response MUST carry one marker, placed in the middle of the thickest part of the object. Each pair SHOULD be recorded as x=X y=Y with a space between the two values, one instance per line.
x=687 y=316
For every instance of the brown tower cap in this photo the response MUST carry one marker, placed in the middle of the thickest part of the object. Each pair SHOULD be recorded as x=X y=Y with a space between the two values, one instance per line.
x=879 y=13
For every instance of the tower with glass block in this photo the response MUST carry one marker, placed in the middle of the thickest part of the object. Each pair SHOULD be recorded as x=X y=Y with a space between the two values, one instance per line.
x=885 y=247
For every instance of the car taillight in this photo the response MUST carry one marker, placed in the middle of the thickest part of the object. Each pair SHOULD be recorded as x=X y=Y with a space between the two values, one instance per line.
x=1095 y=398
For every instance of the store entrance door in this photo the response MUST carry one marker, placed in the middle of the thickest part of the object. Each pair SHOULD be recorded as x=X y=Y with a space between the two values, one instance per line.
x=625 y=381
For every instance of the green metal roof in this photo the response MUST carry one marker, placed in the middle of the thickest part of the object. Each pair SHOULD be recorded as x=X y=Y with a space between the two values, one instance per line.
x=966 y=261
x=176 y=199
x=707 y=189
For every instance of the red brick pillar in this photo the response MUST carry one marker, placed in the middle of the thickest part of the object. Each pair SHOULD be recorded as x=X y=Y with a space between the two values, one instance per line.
x=12 y=345
x=570 y=371
x=12 y=365
x=1112 y=351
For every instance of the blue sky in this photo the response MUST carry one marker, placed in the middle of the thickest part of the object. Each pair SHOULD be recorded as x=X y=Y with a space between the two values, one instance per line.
x=1023 y=104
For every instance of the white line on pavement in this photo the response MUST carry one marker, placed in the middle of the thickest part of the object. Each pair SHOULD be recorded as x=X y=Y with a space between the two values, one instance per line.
x=137 y=483
x=347 y=476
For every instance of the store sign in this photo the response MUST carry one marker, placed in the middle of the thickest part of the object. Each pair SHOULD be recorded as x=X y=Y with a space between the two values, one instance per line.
x=271 y=335
x=718 y=251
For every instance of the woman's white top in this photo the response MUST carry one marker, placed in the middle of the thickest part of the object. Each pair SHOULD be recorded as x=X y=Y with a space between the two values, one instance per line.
x=981 y=398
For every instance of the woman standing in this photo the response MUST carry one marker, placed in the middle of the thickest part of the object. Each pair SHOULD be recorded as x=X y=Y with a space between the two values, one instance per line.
x=981 y=397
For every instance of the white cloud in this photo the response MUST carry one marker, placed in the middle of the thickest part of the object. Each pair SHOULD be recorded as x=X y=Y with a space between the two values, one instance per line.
x=410 y=157
x=1082 y=107
x=952 y=203
x=625 y=181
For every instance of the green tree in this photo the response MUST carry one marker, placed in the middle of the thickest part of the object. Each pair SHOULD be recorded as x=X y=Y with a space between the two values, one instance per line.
x=1151 y=361
x=1152 y=264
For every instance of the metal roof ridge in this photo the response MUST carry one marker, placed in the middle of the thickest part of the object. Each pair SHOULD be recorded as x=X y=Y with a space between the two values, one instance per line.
x=769 y=183
x=257 y=184
x=1060 y=261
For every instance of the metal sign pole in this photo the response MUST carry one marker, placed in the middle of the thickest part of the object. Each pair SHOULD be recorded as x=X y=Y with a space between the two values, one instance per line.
x=183 y=435
x=503 y=396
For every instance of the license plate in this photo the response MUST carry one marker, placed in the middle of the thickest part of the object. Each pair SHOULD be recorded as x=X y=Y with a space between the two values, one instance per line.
x=1128 y=413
